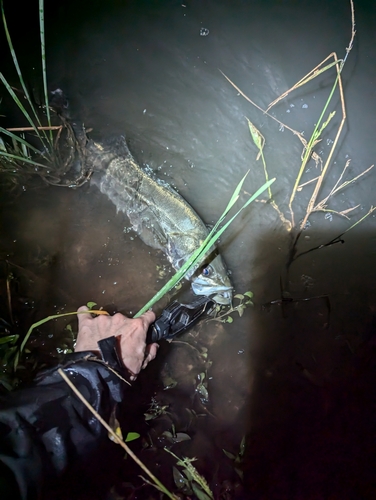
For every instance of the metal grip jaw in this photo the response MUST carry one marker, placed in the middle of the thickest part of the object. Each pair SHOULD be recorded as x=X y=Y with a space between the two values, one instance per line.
x=177 y=317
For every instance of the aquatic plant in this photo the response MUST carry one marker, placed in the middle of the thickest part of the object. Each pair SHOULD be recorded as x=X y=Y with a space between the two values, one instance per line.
x=34 y=119
x=223 y=313
x=53 y=156
x=289 y=220
x=238 y=458
x=190 y=481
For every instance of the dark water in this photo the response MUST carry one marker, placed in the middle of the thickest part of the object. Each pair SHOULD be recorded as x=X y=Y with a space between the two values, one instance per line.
x=295 y=376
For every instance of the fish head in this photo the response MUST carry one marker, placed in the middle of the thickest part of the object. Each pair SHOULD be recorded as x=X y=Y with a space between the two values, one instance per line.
x=212 y=280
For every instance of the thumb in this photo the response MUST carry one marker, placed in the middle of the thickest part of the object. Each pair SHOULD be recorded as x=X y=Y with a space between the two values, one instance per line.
x=83 y=317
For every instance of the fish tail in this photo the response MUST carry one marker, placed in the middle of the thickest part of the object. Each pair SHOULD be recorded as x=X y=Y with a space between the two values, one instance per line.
x=100 y=154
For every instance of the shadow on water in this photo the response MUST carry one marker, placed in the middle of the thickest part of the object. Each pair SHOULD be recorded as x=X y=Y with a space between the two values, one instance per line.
x=295 y=374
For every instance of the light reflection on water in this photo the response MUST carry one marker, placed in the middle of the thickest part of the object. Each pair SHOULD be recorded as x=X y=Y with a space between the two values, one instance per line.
x=158 y=82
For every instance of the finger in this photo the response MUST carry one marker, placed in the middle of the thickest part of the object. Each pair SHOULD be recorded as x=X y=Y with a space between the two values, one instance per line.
x=83 y=309
x=83 y=318
x=151 y=352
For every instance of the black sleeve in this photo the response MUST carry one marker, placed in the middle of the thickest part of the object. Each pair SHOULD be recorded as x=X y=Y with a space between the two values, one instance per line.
x=49 y=440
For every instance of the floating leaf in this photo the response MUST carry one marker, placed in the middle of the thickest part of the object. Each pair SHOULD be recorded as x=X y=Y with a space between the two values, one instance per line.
x=90 y=305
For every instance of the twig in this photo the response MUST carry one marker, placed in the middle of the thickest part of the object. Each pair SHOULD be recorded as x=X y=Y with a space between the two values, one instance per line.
x=31 y=129
x=337 y=239
x=346 y=183
x=307 y=78
x=301 y=186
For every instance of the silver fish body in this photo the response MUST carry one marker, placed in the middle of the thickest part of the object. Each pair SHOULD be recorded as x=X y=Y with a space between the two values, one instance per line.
x=158 y=214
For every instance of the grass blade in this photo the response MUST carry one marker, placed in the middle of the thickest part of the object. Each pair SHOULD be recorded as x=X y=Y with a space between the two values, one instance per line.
x=49 y=318
x=20 y=106
x=43 y=51
x=234 y=199
x=19 y=73
x=19 y=139
x=22 y=159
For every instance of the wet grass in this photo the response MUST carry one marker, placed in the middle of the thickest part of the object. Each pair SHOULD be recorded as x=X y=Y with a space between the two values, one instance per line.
x=38 y=147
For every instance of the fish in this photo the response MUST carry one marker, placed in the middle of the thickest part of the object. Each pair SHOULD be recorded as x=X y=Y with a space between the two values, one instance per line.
x=161 y=217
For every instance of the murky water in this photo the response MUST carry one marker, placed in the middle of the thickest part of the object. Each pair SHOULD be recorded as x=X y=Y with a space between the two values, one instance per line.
x=293 y=375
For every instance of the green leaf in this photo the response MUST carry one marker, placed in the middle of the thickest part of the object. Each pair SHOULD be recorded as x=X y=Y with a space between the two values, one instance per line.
x=249 y=294
x=131 y=436
x=16 y=65
x=180 y=481
x=18 y=139
x=200 y=493
x=239 y=296
x=8 y=338
x=43 y=54
x=22 y=158
x=7 y=386
x=229 y=319
x=241 y=310
x=187 y=472
x=239 y=472
x=150 y=416
x=256 y=136
x=242 y=447
x=202 y=390
x=181 y=436
x=90 y=305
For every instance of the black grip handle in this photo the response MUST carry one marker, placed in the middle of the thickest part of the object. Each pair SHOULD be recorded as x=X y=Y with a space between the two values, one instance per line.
x=176 y=318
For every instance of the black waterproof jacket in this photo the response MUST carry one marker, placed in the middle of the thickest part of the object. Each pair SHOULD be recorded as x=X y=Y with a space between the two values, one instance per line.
x=51 y=445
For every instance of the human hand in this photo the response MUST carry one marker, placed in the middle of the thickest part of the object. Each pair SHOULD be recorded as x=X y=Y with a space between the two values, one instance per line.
x=130 y=333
